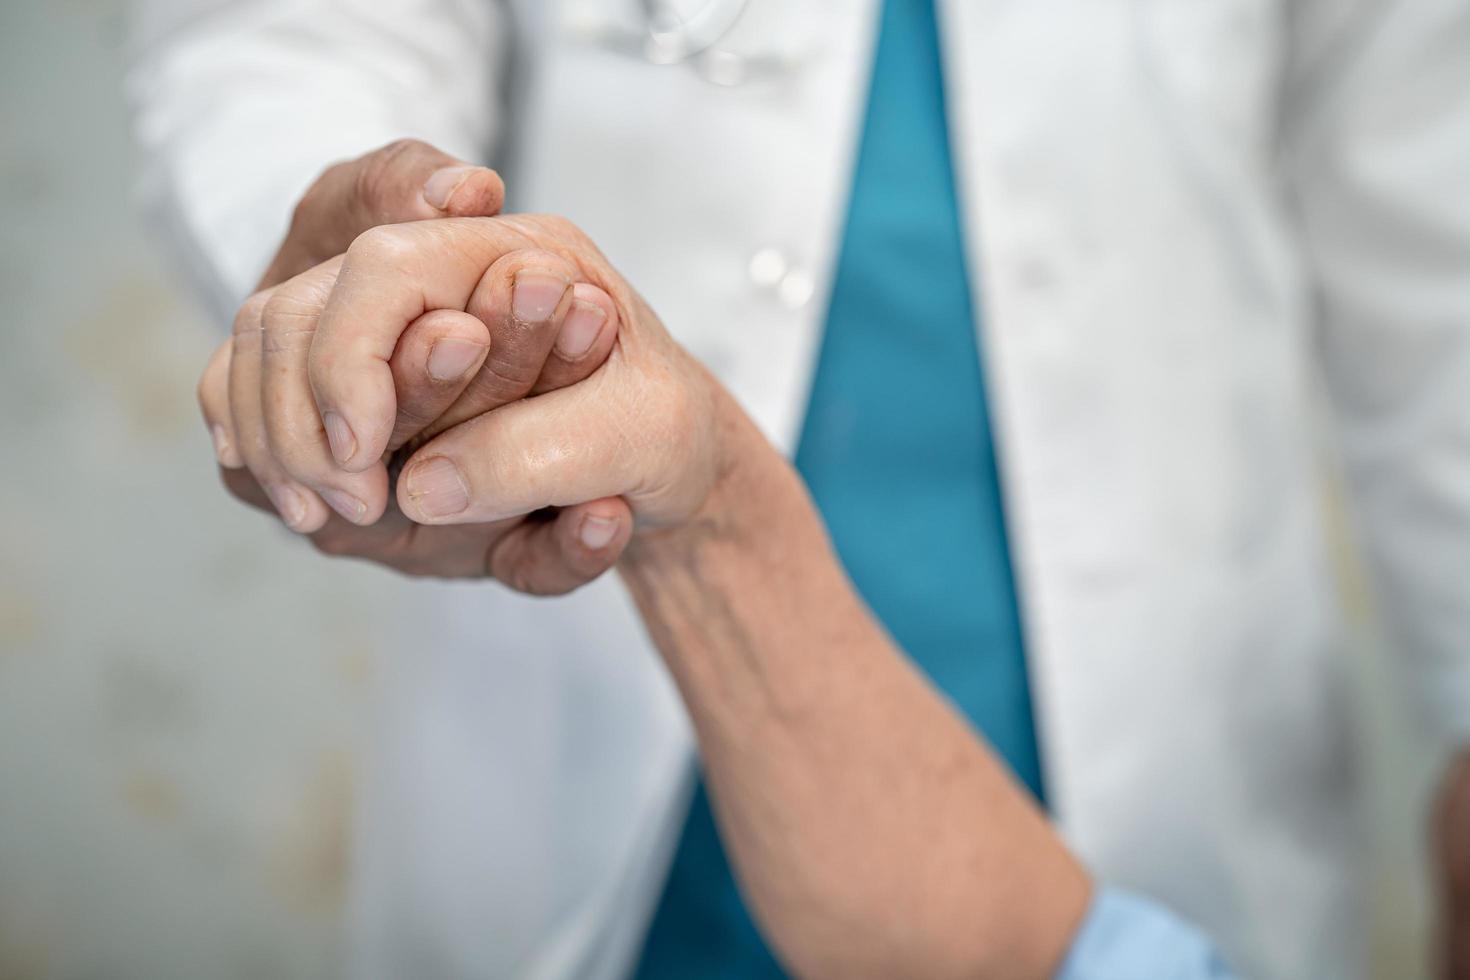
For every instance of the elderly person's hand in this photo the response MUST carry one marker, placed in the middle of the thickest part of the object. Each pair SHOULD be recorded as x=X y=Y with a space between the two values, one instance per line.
x=530 y=328
x=872 y=832
x=331 y=372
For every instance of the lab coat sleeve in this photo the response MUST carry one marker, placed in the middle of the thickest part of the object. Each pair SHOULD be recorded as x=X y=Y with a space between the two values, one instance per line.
x=1377 y=148
x=239 y=104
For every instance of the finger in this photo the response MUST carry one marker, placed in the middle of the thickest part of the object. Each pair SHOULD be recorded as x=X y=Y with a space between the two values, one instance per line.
x=584 y=341
x=393 y=541
x=386 y=542
x=300 y=508
x=557 y=556
x=214 y=403
x=299 y=439
x=406 y=180
x=526 y=299
x=543 y=452
x=391 y=276
x=530 y=356
x=436 y=358
x=414 y=549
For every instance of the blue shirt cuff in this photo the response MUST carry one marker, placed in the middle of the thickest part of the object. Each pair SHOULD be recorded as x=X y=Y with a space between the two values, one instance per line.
x=1125 y=937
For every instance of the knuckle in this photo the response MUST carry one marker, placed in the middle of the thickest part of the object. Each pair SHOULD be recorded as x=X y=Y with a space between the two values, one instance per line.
x=568 y=239
x=503 y=380
x=396 y=149
x=255 y=450
x=288 y=322
x=561 y=228
x=367 y=183
x=295 y=446
x=518 y=576
x=382 y=245
x=545 y=259
x=247 y=318
x=413 y=418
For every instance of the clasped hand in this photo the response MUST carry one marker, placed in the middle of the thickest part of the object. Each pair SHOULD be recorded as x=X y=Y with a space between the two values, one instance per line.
x=540 y=413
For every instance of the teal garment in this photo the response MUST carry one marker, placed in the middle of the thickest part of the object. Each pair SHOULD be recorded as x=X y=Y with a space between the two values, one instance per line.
x=897 y=451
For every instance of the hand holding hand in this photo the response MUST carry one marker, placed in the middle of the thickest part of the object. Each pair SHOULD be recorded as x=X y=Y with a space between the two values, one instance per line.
x=641 y=438
x=331 y=372
x=530 y=330
x=727 y=562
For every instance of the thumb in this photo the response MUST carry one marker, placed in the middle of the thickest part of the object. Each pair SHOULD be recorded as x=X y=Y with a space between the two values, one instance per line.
x=554 y=450
x=407 y=180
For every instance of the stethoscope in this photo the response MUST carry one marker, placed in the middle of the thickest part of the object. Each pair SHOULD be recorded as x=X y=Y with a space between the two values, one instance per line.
x=689 y=34
x=675 y=36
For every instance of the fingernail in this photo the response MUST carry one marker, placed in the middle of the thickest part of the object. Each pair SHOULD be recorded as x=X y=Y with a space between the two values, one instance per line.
x=288 y=503
x=221 y=444
x=438 y=489
x=580 y=330
x=345 y=504
x=339 y=435
x=598 y=532
x=442 y=184
x=450 y=359
x=536 y=296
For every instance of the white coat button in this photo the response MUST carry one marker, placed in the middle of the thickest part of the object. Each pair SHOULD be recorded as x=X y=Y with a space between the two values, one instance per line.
x=797 y=289
x=768 y=267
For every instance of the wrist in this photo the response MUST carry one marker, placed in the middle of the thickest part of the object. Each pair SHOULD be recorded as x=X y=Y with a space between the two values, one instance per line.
x=751 y=486
x=727 y=595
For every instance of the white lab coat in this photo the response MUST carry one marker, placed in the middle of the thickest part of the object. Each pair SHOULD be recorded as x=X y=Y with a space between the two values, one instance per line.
x=1182 y=215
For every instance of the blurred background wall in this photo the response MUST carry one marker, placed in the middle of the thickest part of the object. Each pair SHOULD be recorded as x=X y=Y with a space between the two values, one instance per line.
x=181 y=687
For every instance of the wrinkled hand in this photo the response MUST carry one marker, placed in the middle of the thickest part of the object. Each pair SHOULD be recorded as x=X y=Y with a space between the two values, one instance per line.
x=404 y=181
x=636 y=444
x=530 y=328
x=1452 y=863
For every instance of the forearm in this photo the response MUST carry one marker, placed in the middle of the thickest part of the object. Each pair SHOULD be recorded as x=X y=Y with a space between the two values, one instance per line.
x=872 y=830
